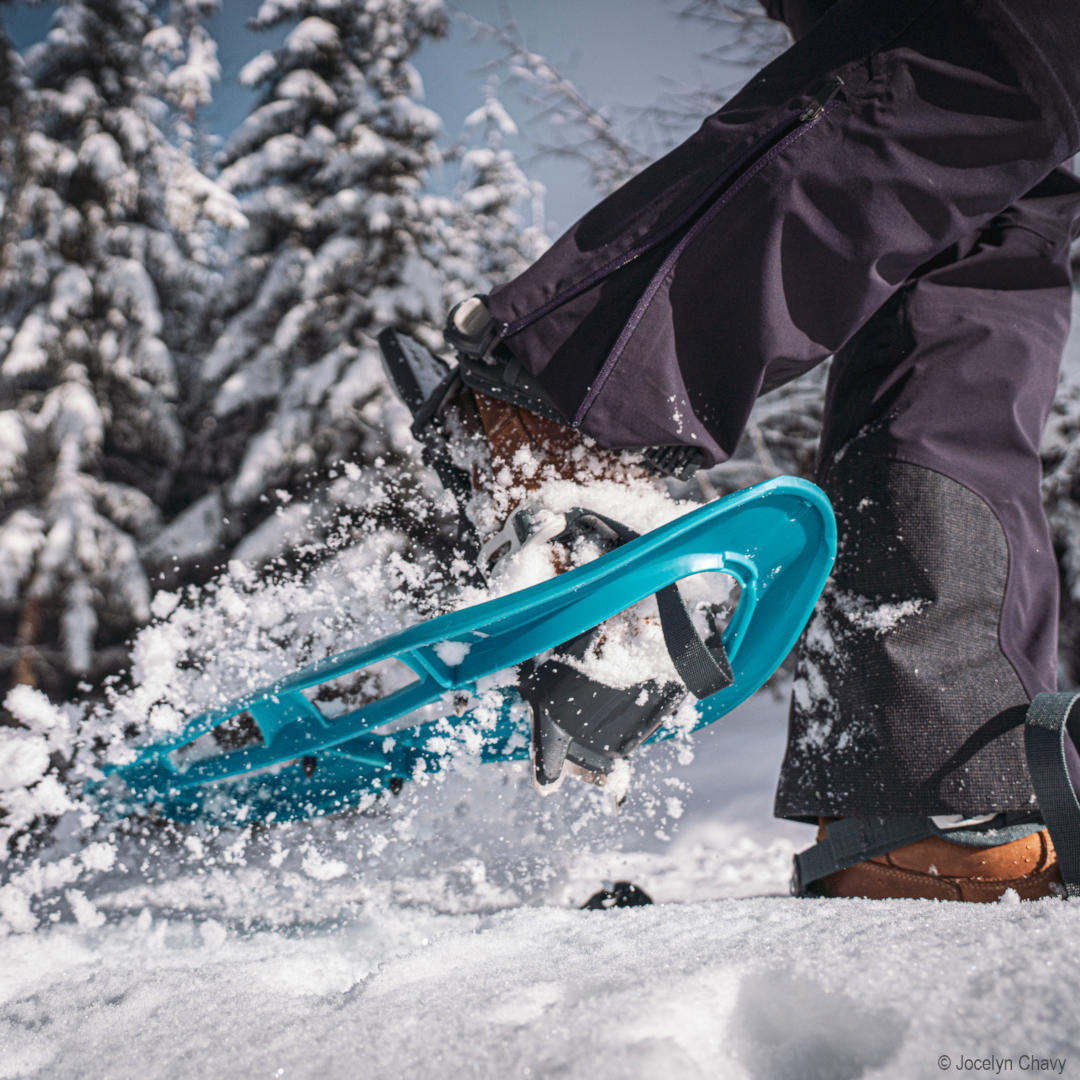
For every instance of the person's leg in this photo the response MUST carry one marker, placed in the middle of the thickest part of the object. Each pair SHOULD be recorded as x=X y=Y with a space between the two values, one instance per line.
x=760 y=246
x=886 y=662
x=932 y=119
x=940 y=622
x=800 y=16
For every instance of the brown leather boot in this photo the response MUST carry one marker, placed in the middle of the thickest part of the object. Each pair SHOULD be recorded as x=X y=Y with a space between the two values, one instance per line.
x=939 y=869
x=527 y=450
x=521 y=454
x=527 y=444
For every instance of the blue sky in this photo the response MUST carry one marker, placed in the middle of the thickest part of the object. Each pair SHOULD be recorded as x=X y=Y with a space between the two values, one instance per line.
x=623 y=54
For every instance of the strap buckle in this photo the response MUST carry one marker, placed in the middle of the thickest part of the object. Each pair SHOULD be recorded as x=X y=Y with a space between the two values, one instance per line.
x=524 y=526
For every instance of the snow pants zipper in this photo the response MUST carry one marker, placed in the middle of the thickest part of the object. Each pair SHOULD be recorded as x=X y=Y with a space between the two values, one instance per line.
x=693 y=219
x=790 y=134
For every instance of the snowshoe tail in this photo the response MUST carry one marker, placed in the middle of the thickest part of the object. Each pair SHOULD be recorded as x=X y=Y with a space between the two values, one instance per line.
x=416 y=374
x=777 y=540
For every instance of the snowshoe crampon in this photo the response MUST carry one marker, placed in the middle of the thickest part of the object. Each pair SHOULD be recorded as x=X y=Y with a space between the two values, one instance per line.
x=275 y=754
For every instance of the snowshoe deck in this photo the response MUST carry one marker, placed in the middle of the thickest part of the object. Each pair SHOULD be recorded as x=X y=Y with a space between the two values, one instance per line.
x=777 y=540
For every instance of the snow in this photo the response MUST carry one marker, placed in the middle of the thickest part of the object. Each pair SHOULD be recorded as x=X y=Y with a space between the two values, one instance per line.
x=192 y=533
x=452 y=653
x=77 y=99
x=279 y=154
x=12 y=447
x=287 y=528
x=877 y=615
x=306 y=85
x=190 y=84
x=23 y=759
x=492 y=112
x=102 y=157
x=165 y=39
x=78 y=625
x=28 y=351
x=435 y=932
x=21 y=539
x=438 y=931
x=72 y=294
x=258 y=68
x=460 y=949
x=311 y=35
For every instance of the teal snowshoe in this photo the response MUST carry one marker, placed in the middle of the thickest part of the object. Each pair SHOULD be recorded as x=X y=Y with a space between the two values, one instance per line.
x=508 y=679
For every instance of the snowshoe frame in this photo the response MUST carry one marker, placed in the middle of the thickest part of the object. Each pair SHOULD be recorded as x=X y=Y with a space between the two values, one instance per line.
x=777 y=540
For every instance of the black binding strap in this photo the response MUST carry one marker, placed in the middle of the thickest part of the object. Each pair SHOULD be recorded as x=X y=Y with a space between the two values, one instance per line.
x=1051 y=731
x=704 y=668
x=854 y=840
x=1052 y=719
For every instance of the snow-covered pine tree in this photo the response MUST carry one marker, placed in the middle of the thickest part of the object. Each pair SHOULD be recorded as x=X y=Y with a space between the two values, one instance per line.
x=191 y=54
x=9 y=99
x=492 y=228
x=14 y=127
x=198 y=210
x=329 y=168
x=93 y=276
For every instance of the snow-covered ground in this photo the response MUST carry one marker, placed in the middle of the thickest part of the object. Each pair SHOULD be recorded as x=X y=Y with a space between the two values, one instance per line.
x=442 y=938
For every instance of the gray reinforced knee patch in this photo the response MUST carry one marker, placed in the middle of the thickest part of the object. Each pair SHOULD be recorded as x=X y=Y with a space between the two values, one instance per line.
x=904 y=702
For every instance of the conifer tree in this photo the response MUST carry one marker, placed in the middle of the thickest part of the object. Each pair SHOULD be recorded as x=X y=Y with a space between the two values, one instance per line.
x=492 y=228
x=329 y=168
x=13 y=131
x=93 y=279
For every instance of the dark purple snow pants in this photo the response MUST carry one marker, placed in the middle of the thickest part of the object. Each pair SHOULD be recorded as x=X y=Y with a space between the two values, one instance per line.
x=887 y=191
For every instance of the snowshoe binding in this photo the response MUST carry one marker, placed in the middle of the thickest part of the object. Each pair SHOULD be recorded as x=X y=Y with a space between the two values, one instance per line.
x=580 y=725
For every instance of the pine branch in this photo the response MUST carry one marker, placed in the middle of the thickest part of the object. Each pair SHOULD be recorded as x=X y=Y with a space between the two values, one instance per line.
x=610 y=157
